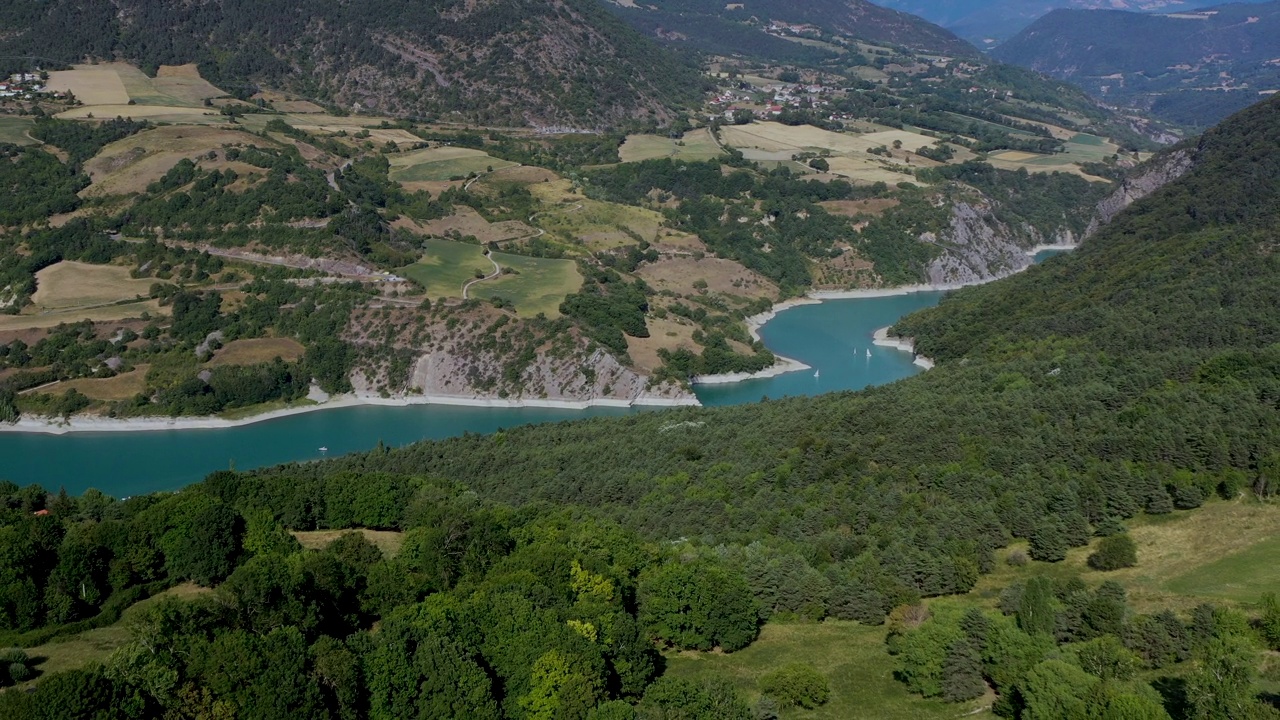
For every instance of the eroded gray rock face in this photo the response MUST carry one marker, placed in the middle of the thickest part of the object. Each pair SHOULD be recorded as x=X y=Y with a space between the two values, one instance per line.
x=975 y=247
x=1154 y=176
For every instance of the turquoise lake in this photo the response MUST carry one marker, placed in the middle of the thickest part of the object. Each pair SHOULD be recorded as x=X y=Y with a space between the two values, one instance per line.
x=833 y=337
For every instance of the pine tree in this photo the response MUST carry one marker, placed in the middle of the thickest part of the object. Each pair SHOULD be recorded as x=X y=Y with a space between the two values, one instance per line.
x=1035 y=610
x=962 y=672
x=1113 y=553
x=1049 y=541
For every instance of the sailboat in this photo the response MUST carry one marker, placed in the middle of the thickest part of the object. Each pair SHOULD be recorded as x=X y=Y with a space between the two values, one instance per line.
x=868 y=352
x=815 y=373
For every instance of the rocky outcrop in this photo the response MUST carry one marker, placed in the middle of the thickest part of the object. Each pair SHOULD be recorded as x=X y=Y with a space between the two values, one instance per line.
x=1150 y=178
x=976 y=246
x=479 y=353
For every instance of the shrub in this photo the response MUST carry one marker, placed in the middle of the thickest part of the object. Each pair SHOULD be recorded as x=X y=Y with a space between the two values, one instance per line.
x=797 y=684
x=1114 y=552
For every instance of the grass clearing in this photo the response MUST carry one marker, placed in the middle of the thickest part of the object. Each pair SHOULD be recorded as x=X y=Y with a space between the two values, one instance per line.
x=678 y=274
x=775 y=142
x=693 y=145
x=851 y=656
x=121 y=387
x=596 y=224
x=442 y=163
x=77 y=651
x=538 y=285
x=13 y=130
x=1081 y=148
x=446 y=266
x=466 y=221
x=388 y=541
x=257 y=350
x=1222 y=552
x=70 y=284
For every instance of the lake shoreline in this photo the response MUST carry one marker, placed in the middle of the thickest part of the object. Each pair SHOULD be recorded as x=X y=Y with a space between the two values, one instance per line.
x=59 y=426
x=783 y=365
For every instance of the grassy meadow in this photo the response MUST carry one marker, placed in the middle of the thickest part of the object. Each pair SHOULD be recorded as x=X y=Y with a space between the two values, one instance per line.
x=1222 y=553
x=257 y=350
x=537 y=286
x=446 y=266
x=13 y=130
x=442 y=163
x=693 y=145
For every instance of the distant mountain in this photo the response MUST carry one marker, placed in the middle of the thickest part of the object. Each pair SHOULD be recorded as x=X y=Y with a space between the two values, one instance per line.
x=731 y=28
x=1193 y=68
x=987 y=23
x=566 y=62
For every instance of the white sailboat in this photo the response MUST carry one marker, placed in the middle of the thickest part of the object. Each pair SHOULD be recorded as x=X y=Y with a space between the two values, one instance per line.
x=815 y=373
x=868 y=352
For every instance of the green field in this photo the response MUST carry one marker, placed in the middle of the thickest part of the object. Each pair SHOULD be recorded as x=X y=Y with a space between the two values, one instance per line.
x=851 y=656
x=1243 y=576
x=539 y=285
x=446 y=266
x=14 y=130
x=443 y=163
x=694 y=145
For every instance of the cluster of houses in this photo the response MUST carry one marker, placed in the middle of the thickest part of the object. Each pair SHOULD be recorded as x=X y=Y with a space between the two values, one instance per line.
x=22 y=85
x=776 y=98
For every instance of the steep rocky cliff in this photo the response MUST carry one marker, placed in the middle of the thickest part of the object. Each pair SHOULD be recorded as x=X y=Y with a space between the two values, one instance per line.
x=978 y=246
x=478 y=353
x=1148 y=178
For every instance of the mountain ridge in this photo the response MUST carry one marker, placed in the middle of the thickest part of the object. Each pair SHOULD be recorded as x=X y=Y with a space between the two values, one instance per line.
x=563 y=62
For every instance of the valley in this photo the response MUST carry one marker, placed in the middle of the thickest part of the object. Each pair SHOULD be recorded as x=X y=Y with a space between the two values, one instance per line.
x=592 y=360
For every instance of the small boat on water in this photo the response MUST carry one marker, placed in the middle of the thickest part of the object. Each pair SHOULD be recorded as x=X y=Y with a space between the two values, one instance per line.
x=868 y=352
x=815 y=373
x=324 y=449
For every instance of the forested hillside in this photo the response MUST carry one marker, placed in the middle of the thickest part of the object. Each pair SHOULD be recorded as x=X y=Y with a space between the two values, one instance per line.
x=1188 y=68
x=737 y=28
x=501 y=62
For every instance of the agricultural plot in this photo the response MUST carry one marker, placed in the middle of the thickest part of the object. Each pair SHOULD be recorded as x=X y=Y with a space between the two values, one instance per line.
x=1082 y=148
x=446 y=266
x=129 y=165
x=154 y=113
x=693 y=145
x=91 y=84
x=537 y=286
x=442 y=163
x=13 y=130
x=118 y=83
x=68 y=285
x=775 y=142
x=106 y=313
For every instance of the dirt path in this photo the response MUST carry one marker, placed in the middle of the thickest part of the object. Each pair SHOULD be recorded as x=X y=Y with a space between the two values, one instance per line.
x=497 y=270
